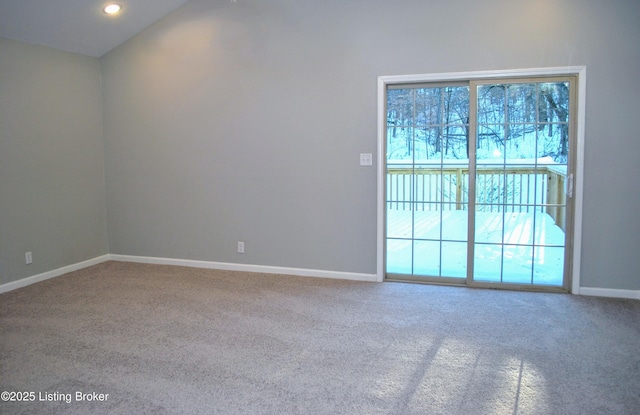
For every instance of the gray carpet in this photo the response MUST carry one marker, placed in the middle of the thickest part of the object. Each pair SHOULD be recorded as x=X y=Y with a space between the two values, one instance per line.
x=174 y=340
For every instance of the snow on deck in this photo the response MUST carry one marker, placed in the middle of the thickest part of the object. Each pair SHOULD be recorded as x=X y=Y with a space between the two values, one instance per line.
x=533 y=250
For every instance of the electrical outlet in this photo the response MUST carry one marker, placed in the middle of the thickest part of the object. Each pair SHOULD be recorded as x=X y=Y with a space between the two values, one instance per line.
x=28 y=258
x=240 y=247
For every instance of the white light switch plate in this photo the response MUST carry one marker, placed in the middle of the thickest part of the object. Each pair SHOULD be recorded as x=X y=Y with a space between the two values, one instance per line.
x=366 y=159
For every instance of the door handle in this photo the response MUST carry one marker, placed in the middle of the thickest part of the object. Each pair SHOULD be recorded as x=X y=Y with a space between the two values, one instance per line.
x=568 y=186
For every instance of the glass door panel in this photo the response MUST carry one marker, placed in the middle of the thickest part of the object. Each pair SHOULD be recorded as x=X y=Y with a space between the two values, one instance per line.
x=521 y=166
x=427 y=181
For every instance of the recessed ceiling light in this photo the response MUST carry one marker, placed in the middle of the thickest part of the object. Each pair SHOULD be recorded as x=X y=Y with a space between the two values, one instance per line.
x=112 y=8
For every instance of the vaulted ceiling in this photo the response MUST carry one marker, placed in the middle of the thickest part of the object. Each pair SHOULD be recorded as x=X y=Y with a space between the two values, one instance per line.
x=79 y=26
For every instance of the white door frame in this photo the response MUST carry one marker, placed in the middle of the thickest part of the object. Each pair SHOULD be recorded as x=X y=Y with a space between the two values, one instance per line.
x=578 y=71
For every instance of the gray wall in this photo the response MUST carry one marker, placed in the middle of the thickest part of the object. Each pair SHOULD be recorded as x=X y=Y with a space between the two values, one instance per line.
x=52 y=189
x=243 y=120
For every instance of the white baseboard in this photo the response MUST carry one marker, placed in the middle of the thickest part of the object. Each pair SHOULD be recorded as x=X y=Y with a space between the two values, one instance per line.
x=267 y=269
x=609 y=292
x=10 y=286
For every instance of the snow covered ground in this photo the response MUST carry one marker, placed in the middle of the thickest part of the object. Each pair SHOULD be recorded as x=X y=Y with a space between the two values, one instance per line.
x=523 y=248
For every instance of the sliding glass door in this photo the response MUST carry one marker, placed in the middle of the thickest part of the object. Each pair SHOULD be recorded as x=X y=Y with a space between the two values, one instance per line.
x=478 y=182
